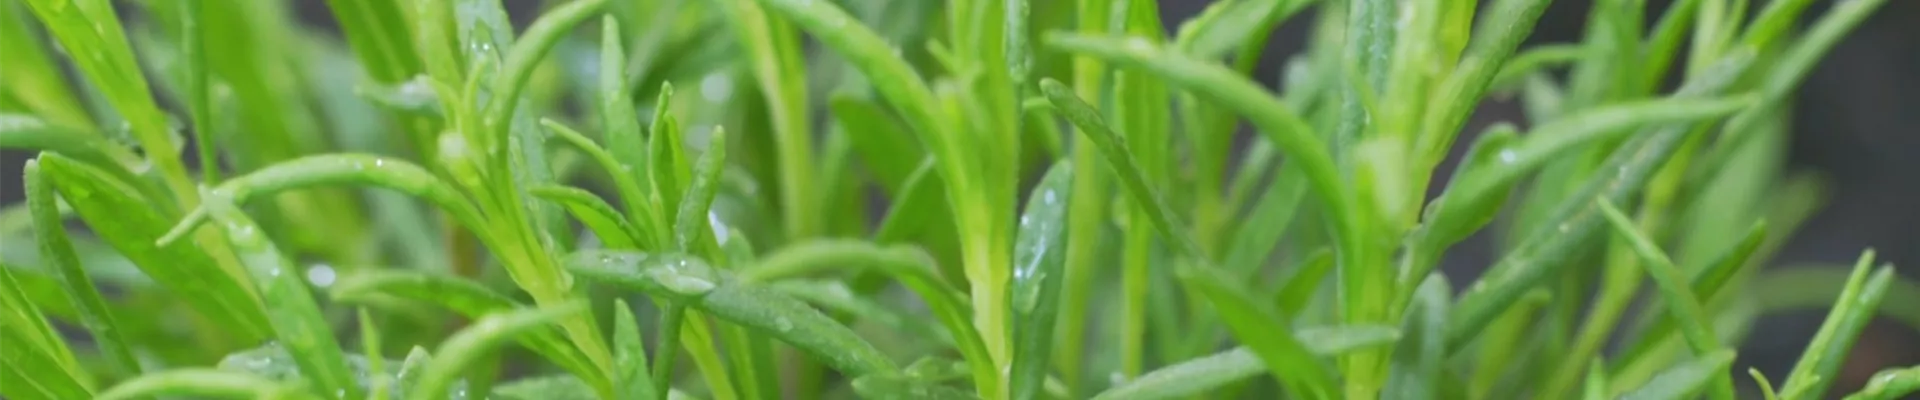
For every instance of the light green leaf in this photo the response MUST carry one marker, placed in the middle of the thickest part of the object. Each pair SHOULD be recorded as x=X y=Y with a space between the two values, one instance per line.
x=469 y=345
x=694 y=283
x=1200 y=375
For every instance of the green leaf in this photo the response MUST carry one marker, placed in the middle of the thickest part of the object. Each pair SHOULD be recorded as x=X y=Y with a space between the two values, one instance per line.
x=413 y=97
x=1683 y=305
x=463 y=296
x=202 y=382
x=1039 y=268
x=32 y=78
x=1203 y=374
x=1254 y=323
x=55 y=249
x=694 y=283
x=1416 y=370
x=32 y=355
x=893 y=387
x=593 y=212
x=1819 y=365
x=552 y=387
x=1575 y=219
x=1680 y=380
x=1892 y=383
x=630 y=356
x=128 y=222
x=691 y=230
x=31 y=133
x=333 y=169
x=911 y=267
x=772 y=52
x=632 y=193
x=379 y=384
x=295 y=318
x=91 y=34
x=1132 y=177
x=888 y=149
x=470 y=345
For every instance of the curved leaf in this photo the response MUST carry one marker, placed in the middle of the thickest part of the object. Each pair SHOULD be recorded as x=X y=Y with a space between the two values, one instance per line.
x=593 y=212
x=463 y=296
x=1680 y=380
x=330 y=169
x=129 y=224
x=476 y=341
x=1039 y=267
x=1131 y=175
x=291 y=312
x=1821 y=361
x=55 y=249
x=1203 y=374
x=1890 y=384
x=1255 y=324
x=630 y=356
x=694 y=283
x=201 y=382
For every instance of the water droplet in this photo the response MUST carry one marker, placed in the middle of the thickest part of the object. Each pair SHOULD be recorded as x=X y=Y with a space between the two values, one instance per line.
x=1024 y=220
x=1508 y=157
x=782 y=324
x=1565 y=227
x=1140 y=44
x=321 y=275
x=1047 y=197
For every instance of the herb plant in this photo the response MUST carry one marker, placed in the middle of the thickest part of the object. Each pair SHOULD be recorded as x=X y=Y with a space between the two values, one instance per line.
x=904 y=199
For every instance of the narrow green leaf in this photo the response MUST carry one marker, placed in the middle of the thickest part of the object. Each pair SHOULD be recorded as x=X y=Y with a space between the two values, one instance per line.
x=1683 y=305
x=1596 y=383
x=552 y=387
x=911 y=267
x=1276 y=208
x=1039 y=267
x=470 y=345
x=32 y=78
x=1456 y=96
x=527 y=53
x=593 y=212
x=1820 y=363
x=772 y=51
x=294 y=316
x=915 y=206
x=1203 y=374
x=90 y=33
x=55 y=249
x=630 y=356
x=202 y=382
x=28 y=132
x=379 y=385
x=1888 y=384
x=1416 y=370
x=333 y=169
x=462 y=296
x=1535 y=60
x=887 y=149
x=668 y=158
x=1478 y=191
x=1766 y=386
x=1299 y=371
x=621 y=125
x=632 y=192
x=128 y=223
x=1132 y=177
x=32 y=355
x=691 y=230
x=1297 y=291
x=693 y=282
x=1575 y=219
x=893 y=387
x=1680 y=380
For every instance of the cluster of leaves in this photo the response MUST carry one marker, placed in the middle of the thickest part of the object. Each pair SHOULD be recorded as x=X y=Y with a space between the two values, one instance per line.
x=1309 y=256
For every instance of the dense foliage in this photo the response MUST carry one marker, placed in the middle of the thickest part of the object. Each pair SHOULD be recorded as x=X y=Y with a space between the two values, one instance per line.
x=906 y=199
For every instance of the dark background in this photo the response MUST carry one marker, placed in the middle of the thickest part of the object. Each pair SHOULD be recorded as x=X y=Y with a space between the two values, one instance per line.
x=1855 y=123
